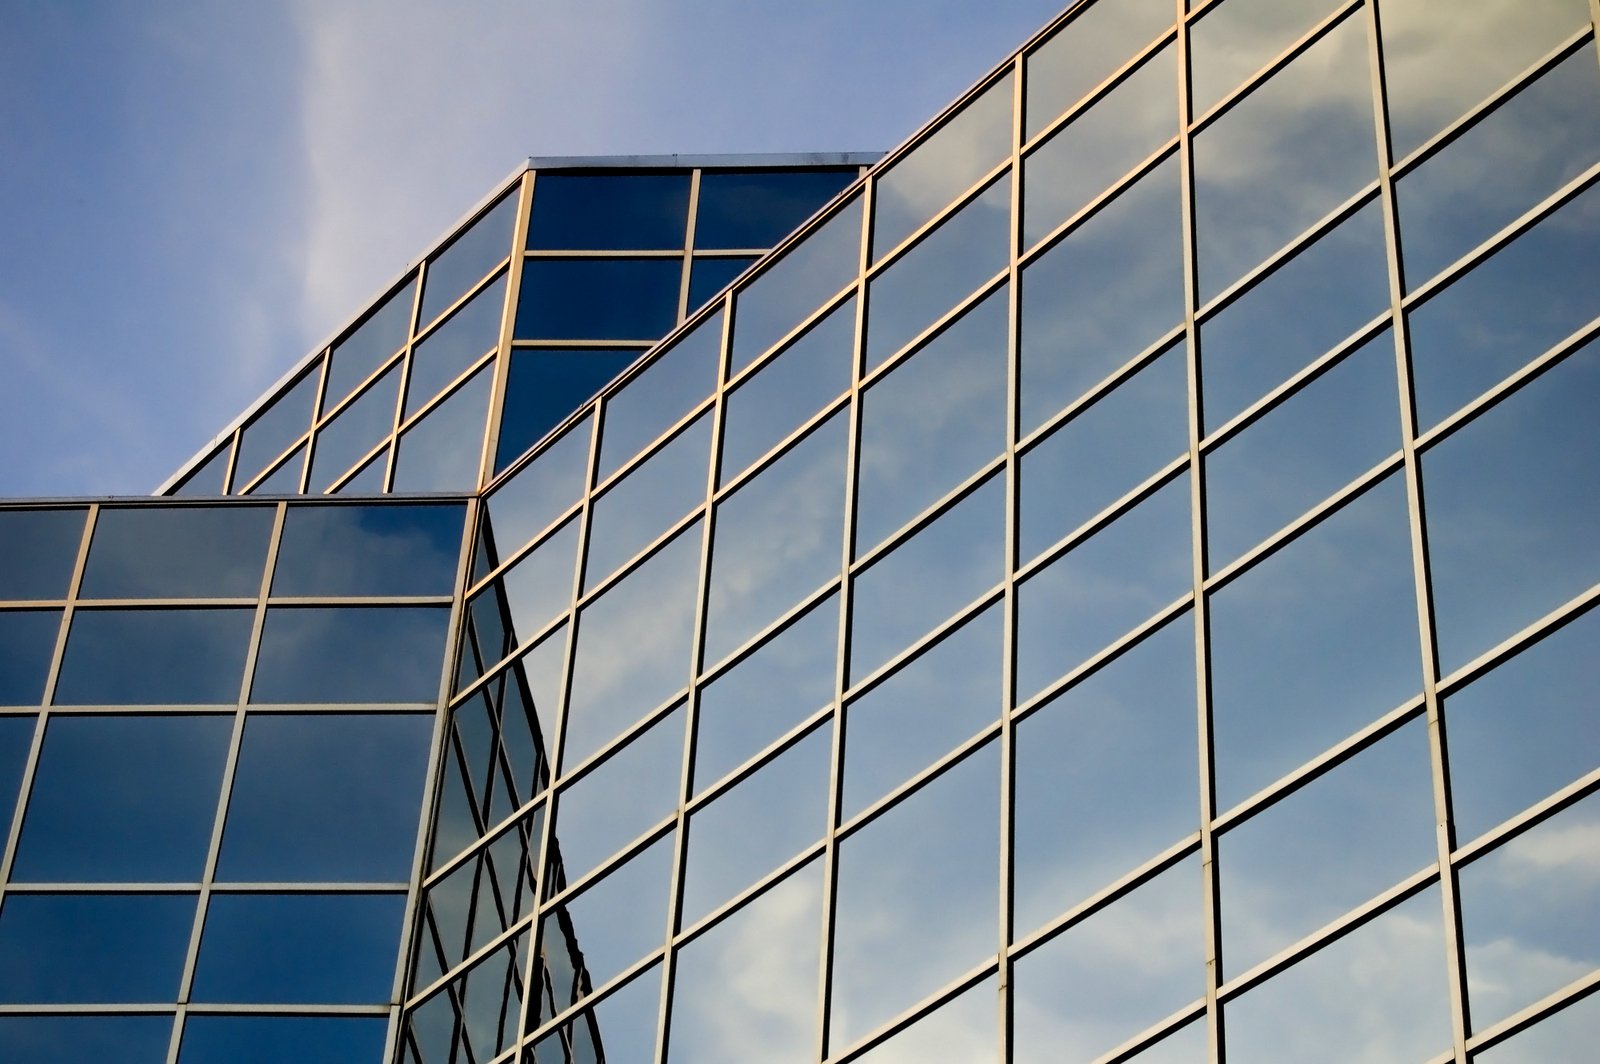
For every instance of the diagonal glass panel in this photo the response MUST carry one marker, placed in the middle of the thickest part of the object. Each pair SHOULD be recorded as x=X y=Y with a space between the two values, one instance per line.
x=610 y=806
x=545 y=386
x=1088 y=49
x=648 y=499
x=659 y=395
x=354 y=431
x=369 y=345
x=283 y=421
x=467 y=258
x=444 y=354
x=1231 y=41
x=441 y=452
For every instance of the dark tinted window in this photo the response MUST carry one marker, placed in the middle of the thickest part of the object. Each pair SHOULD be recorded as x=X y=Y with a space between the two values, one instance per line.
x=51 y=1039
x=178 y=552
x=260 y=1039
x=369 y=550
x=545 y=386
x=57 y=948
x=468 y=258
x=275 y=428
x=27 y=641
x=16 y=735
x=154 y=657
x=609 y=211
x=756 y=210
x=351 y=654
x=37 y=549
x=598 y=299
x=355 y=357
x=707 y=277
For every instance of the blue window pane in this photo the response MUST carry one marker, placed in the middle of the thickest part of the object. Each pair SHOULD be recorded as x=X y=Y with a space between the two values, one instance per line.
x=539 y=492
x=326 y=798
x=660 y=394
x=60 y=948
x=16 y=736
x=178 y=552
x=283 y=480
x=707 y=277
x=545 y=386
x=276 y=1039
x=442 y=356
x=373 y=549
x=37 y=549
x=371 y=343
x=442 y=451
x=355 y=431
x=471 y=255
x=275 y=428
x=300 y=948
x=154 y=657
x=27 y=642
x=123 y=799
x=592 y=212
x=598 y=299
x=353 y=654
x=208 y=478
x=756 y=210
x=64 y=1039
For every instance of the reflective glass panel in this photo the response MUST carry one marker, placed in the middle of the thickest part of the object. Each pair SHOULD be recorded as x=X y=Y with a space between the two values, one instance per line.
x=648 y=499
x=1104 y=452
x=1100 y=145
x=609 y=807
x=372 y=549
x=1525 y=730
x=756 y=209
x=1103 y=587
x=777 y=538
x=539 y=492
x=927 y=863
x=598 y=299
x=961 y=1031
x=1512 y=505
x=27 y=643
x=70 y=948
x=270 y=1039
x=326 y=797
x=54 y=1039
x=898 y=599
x=932 y=421
x=284 y=480
x=1438 y=64
x=615 y=922
x=1378 y=993
x=620 y=1027
x=708 y=276
x=1313 y=443
x=746 y=990
x=369 y=479
x=208 y=478
x=367 y=347
x=1288 y=153
x=178 y=552
x=151 y=657
x=1327 y=625
x=1523 y=151
x=919 y=184
x=814 y=269
x=1564 y=1038
x=1086 y=51
x=350 y=654
x=777 y=398
x=1315 y=854
x=1530 y=914
x=1105 y=776
x=633 y=646
x=1300 y=310
x=751 y=829
x=123 y=799
x=923 y=711
x=658 y=396
x=967 y=249
x=444 y=354
x=276 y=427
x=302 y=948
x=1509 y=309
x=537 y=588
x=632 y=210
x=468 y=257
x=1112 y=288
x=1088 y=990
x=441 y=452
x=16 y=737
x=781 y=683
x=354 y=431
x=545 y=386
x=40 y=548
x=1232 y=41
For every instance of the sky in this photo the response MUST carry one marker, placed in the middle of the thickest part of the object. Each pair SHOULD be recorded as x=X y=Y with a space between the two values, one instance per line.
x=193 y=194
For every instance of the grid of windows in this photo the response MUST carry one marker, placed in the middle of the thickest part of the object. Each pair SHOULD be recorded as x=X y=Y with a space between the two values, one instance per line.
x=480 y=342
x=216 y=725
x=1156 y=621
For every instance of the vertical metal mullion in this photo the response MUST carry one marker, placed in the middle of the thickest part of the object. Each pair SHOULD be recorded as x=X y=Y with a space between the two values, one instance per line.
x=1008 y=680
x=1209 y=882
x=680 y=853
x=830 y=851
x=1594 y=21
x=324 y=368
x=405 y=378
x=230 y=467
x=688 y=245
x=1444 y=829
x=225 y=791
x=508 y=324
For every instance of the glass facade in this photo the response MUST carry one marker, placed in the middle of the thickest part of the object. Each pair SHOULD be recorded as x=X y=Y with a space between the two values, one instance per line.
x=1118 y=583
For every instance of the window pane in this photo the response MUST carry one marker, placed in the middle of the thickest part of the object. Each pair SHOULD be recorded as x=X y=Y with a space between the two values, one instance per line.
x=707 y=277
x=598 y=299
x=16 y=737
x=326 y=798
x=657 y=397
x=1232 y=41
x=1567 y=1036
x=962 y=1031
x=355 y=431
x=609 y=807
x=755 y=209
x=1086 y=51
x=647 y=500
x=637 y=211
x=123 y=799
x=351 y=654
x=444 y=354
x=366 y=348
x=302 y=948
x=207 y=478
x=151 y=657
x=53 y=1039
x=27 y=643
x=374 y=549
x=266 y=1039
x=545 y=386
x=538 y=493
x=615 y=922
x=621 y=1027
x=178 y=552
x=40 y=548
x=467 y=258
x=284 y=480
x=442 y=451
x=66 y=948
x=285 y=420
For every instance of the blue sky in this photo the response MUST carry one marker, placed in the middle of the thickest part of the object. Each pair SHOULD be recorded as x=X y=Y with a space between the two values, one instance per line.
x=195 y=193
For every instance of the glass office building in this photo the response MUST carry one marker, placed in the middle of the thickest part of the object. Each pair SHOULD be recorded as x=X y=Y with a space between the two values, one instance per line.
x=1116 y=583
